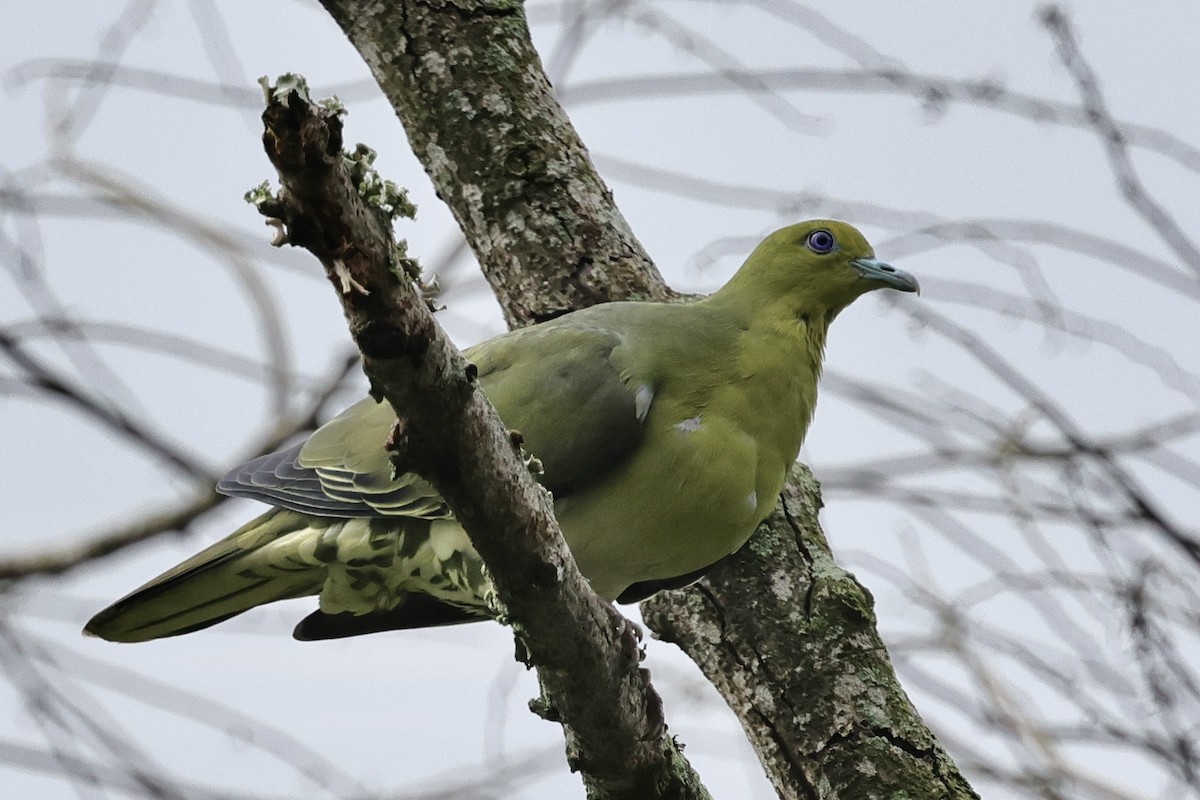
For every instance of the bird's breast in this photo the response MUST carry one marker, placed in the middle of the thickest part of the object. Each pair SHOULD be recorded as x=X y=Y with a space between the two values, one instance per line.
x=688 y=498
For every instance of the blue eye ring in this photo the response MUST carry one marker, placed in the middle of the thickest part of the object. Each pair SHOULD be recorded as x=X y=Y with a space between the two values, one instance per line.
x=821 y=242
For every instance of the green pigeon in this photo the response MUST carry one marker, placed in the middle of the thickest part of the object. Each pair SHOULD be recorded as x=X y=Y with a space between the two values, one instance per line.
x=666 y=431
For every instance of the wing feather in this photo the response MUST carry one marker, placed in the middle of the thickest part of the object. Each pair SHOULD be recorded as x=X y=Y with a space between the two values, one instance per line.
x=557 y=383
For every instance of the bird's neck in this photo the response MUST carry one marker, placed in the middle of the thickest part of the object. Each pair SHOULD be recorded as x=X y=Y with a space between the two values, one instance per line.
x=778 y=361
x=792 y=327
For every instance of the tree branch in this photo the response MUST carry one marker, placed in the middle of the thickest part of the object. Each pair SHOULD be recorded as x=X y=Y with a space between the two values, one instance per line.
x=60 y=560
x=63 y=559
x=780 y=613
x=44 y=378
x=481 y=116
x=1115 y=140
x=586 y=653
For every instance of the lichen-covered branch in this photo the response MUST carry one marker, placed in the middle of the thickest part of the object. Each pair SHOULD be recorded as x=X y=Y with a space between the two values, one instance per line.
x=481 y=116
x=586 y=653
x=788 y=637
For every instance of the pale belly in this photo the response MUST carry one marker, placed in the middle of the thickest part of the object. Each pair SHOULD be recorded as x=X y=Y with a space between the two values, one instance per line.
x=694 y=498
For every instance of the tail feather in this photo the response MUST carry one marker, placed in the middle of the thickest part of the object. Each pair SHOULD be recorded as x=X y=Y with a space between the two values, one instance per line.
x=231 y=576
x=417 y=611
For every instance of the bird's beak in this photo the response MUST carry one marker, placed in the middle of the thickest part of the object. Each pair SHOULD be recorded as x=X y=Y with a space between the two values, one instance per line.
x=886 y=274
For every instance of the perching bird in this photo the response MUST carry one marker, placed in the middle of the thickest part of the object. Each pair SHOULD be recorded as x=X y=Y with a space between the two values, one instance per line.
x=665 y=430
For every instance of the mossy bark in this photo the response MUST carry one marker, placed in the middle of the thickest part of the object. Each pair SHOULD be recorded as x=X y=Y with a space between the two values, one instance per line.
x=482 y=117
x=788 y=637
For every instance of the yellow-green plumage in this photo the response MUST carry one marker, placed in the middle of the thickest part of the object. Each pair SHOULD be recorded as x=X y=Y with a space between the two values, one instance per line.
x=666 y=432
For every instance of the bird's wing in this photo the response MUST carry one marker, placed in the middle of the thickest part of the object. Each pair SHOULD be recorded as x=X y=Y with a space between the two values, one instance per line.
x=342 y=470
x=561 y=385
x=568 y=389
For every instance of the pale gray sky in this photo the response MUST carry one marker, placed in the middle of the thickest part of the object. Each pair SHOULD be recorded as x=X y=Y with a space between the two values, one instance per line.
x=410 y=711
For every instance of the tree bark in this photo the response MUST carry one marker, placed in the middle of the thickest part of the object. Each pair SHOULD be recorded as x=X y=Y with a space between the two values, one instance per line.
x=481 y=116
x=587 y=655
x=479 y=112
x=788 y=637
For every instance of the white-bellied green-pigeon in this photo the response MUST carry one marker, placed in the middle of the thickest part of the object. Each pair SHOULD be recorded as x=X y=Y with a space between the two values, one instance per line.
x=665 y=431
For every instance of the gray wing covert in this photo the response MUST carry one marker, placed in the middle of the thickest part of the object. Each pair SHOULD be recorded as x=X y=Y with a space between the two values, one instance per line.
x=559 y=384
x=342 y=470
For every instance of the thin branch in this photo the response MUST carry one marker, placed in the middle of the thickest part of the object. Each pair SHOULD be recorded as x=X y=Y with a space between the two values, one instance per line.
x=1115 y=142
x=177 y=518
x=46 y=379
x=75 y=669
x=93 y=546
x=1142 y=504
x=65 y=766
x=934 y=92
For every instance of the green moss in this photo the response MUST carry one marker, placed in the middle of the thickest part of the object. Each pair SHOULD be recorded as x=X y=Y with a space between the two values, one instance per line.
x=260 y=195
x=285 y=85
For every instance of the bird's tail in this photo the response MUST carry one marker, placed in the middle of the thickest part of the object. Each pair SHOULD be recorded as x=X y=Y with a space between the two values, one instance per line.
x=267 y=559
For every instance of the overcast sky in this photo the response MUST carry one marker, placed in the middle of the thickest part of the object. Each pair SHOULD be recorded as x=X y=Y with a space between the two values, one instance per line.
x=408 y=712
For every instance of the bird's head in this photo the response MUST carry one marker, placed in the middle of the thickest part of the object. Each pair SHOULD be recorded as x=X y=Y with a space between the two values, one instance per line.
x=816 y=267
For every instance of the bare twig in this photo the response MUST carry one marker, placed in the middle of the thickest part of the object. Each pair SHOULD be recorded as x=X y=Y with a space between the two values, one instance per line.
x=1115 y=140
x=178 y=518
x=59 y=387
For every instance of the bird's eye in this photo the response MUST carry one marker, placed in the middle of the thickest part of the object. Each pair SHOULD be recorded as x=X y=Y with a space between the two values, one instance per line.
x=821 y=242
